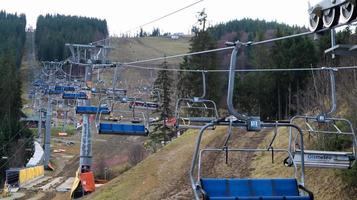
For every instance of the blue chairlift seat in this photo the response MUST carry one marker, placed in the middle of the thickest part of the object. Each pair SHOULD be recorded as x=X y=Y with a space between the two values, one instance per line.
x=252 y=189
x=54 y=91
x=80 y=95
x=123 y=129
x=64 y=88
x=92 y=110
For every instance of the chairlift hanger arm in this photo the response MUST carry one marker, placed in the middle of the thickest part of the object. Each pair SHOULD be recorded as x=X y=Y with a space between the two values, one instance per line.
x=333 y=90
x=204 y=85
x=231 y=79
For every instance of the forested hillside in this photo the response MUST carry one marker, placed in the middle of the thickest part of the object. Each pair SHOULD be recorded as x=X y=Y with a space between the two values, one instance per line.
x=268 y=95
x=14 y=136
x=53 y=31
x=278 y=95
x=246 y=25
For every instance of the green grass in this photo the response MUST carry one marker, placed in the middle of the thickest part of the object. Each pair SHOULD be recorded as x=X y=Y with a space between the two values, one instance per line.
x=70 y=130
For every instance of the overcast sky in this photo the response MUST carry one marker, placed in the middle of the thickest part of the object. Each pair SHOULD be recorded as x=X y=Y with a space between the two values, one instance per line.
x=126 y=15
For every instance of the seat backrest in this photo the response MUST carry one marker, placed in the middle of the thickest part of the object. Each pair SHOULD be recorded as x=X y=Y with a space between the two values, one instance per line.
x=240 y=187
x=105 y=127
x=285 y=187
x=215 y=187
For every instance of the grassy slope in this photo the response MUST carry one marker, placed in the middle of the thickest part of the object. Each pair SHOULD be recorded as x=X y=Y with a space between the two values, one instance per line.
x=158 y=176
x=326 y=184
x=164 y=175
x=129 y=49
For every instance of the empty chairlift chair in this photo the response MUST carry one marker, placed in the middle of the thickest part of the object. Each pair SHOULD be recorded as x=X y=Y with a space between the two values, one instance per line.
x=92 y=110
x=144 y=105
x=195 y=112
x=245 y=188
x=64 y=88
x=79 y=95
x=325 y=132
x=132 y=126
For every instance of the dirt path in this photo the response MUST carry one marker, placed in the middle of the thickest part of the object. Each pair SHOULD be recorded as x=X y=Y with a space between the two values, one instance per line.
x=239 y=163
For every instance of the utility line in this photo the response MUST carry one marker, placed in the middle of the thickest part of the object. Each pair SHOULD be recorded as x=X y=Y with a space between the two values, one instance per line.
x=152 y=21
x=240 y=70
x=232 y=45
x=15 y=154
x=167 y=15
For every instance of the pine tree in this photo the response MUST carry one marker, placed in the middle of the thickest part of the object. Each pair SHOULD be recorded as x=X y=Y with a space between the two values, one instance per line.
x=162 y=84
x=190 y=84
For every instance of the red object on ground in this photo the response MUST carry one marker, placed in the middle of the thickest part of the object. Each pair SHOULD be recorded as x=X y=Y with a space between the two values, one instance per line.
x=50 y=167
x=171 y=121
x=87 y=180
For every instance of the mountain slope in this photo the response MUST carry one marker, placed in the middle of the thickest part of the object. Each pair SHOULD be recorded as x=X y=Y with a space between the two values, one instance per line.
x=163 y=175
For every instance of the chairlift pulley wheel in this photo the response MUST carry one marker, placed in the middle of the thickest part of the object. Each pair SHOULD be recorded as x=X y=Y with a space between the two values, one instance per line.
x=348 y=12
x=330 y=17
x=315 y=22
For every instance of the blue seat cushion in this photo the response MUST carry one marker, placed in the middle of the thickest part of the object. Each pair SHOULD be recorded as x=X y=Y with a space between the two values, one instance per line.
x=297 y=197
x=215 y=187
x=262 y=198
x=285 y=187
x=250 y=189
x=222 y=198
x=240 y=187
x=105 y=127
x=92 y=110
x=122 y=129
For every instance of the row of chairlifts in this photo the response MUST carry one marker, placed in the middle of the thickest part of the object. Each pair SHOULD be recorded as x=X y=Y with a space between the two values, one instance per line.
x=114 y=121
x=194 y=113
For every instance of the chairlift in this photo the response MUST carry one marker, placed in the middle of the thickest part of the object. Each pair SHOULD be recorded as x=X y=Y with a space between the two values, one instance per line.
x=54 y=92
x=92 y=110
x=143 y=105
x=323 y=125
x=193 y=113
x=129 y=126
x=139 y=104
x=65 y=88
x=246 y=188
x=79 y=95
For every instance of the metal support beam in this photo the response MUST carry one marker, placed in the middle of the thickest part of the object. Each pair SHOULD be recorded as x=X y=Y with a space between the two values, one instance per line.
x=47 y=142
x=39 y=127
x=85 y=161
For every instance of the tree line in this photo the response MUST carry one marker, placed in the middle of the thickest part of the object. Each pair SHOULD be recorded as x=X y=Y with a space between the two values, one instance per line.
x=14 y=136
x=272 y=95
x=53 y=31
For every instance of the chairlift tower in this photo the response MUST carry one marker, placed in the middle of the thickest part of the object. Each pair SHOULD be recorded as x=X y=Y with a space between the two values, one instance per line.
x=87 y=55
x=50 y=69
